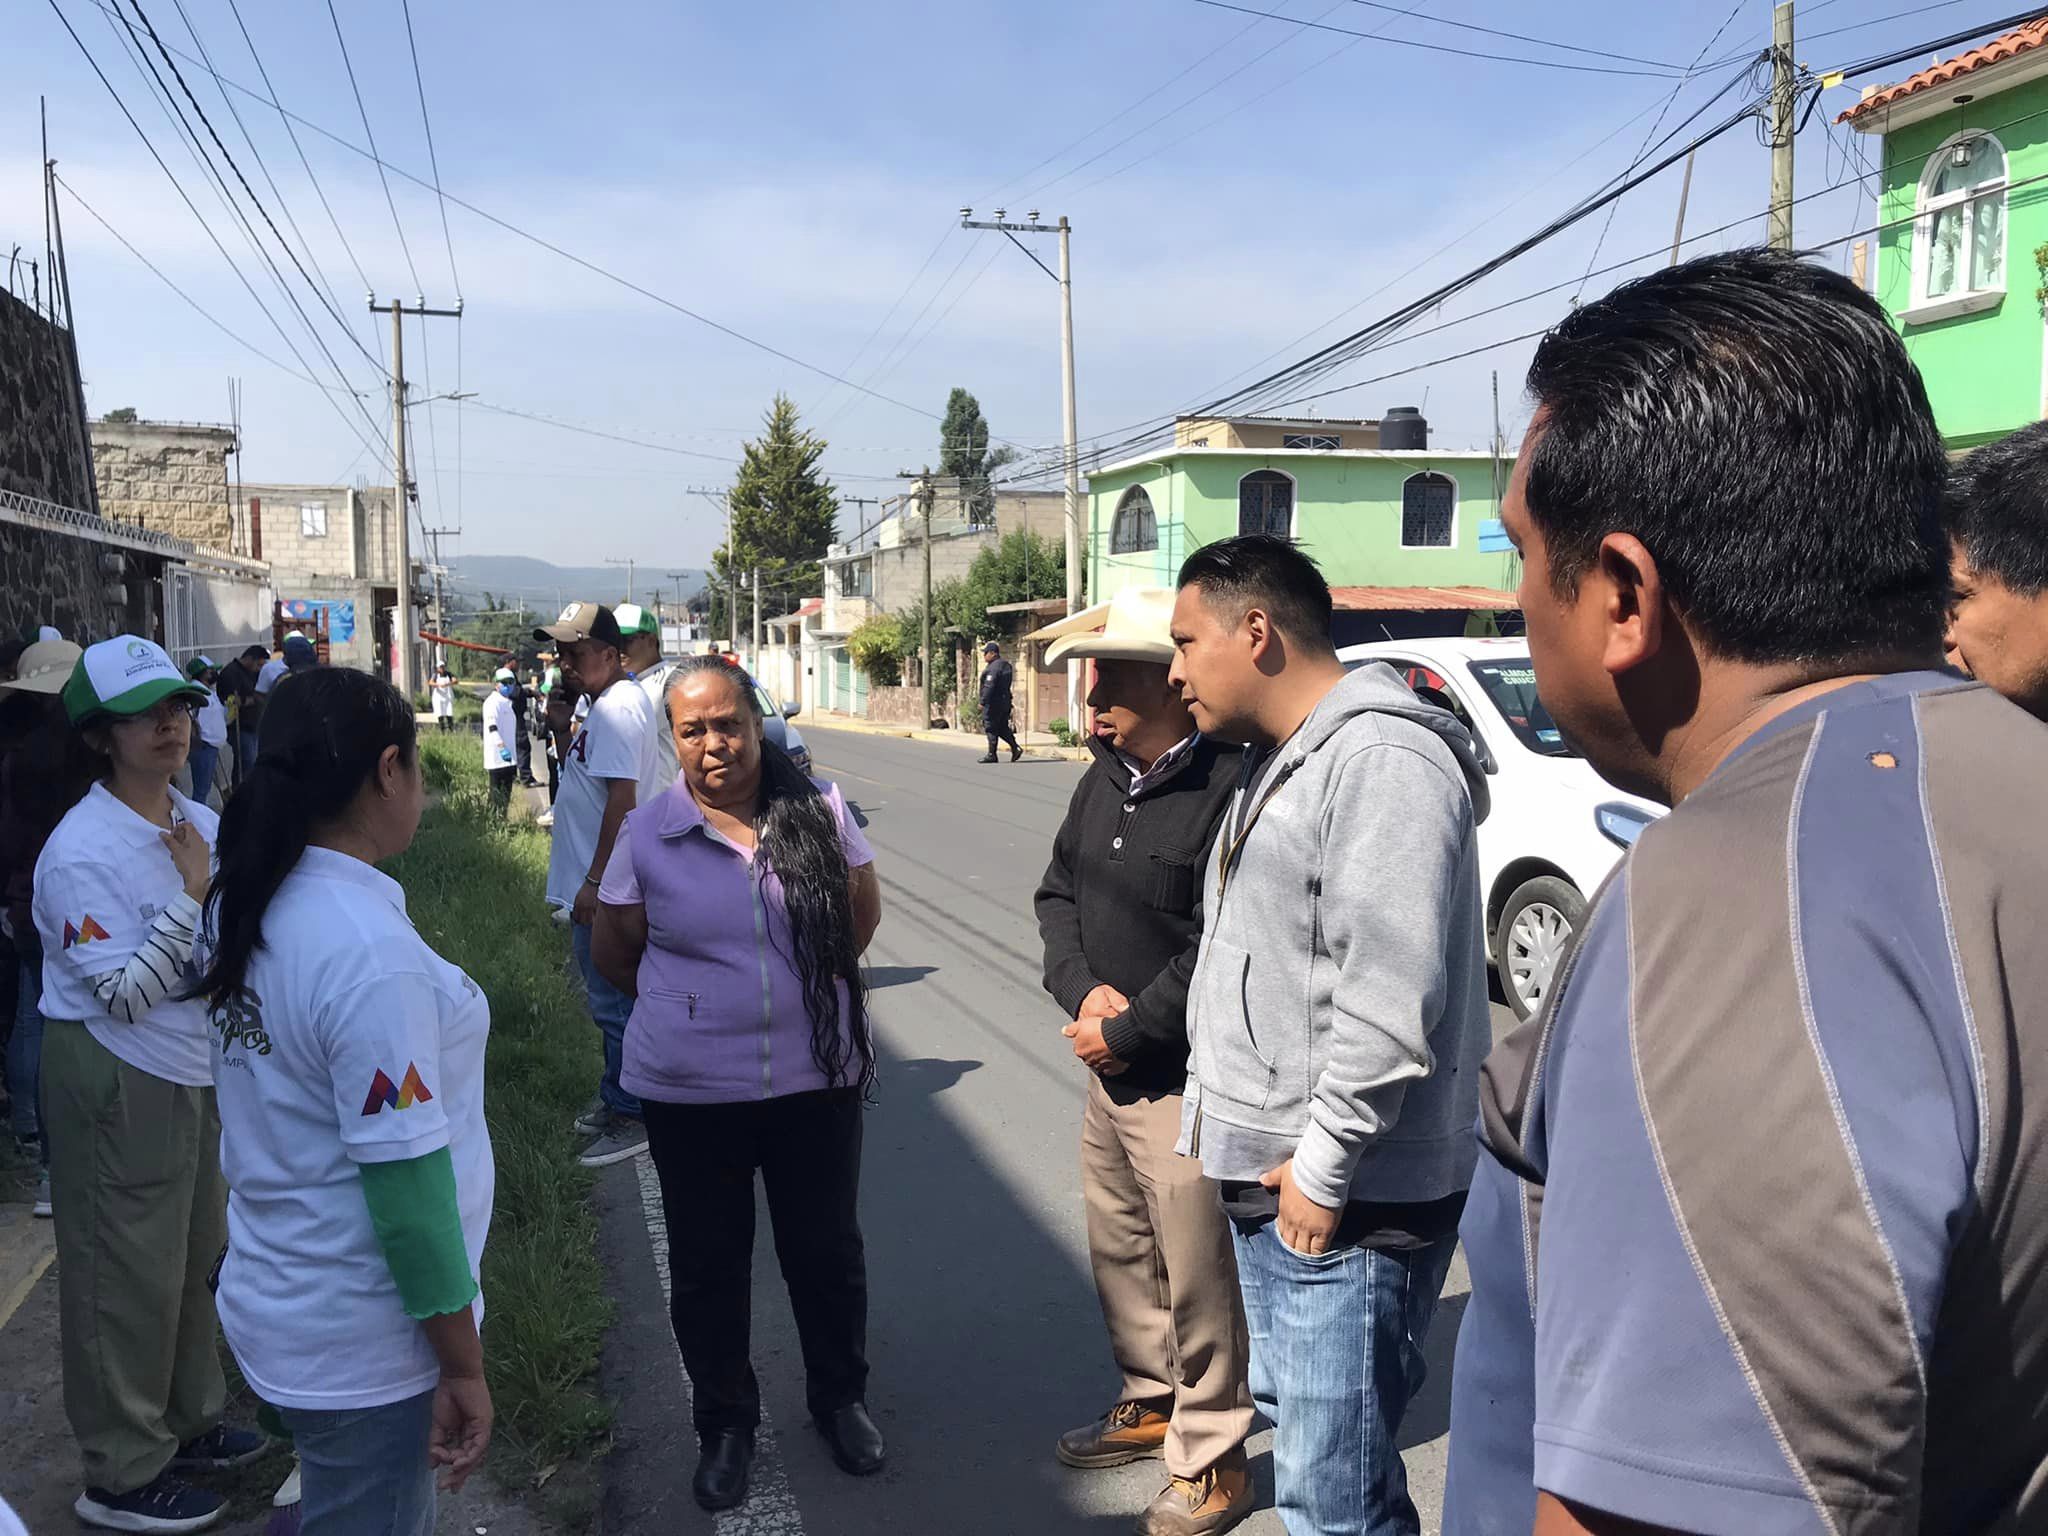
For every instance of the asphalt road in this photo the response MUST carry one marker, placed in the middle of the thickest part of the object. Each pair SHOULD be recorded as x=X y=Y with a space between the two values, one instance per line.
x=984 y=1335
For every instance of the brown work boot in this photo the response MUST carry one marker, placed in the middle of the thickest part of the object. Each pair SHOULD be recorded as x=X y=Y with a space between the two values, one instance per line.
x=1128 y=1432
x=1215 y=1501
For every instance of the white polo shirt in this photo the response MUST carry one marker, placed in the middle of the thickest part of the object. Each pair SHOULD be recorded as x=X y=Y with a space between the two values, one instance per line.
x=101 y=880
x=213 y=721
x=500 y=732
x=353 y=1042
x=270 y=672
x=616 y=742
x=652 y=682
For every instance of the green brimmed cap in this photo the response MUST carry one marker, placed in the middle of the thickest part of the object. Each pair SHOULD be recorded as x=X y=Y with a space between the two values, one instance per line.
x=636 y=620
x=124 y=676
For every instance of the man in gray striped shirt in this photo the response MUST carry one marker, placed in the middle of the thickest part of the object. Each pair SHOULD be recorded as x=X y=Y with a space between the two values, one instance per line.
x=1759 y=1237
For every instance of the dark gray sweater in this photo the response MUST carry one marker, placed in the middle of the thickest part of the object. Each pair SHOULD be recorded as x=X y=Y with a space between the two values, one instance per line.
x=1121 y=903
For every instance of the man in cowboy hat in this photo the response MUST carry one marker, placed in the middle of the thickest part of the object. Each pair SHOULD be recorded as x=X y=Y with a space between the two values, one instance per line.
x=1119 y=911
x=995 y=702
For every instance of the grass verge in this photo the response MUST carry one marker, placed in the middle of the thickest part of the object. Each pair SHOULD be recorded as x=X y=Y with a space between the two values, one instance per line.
x=473 y=886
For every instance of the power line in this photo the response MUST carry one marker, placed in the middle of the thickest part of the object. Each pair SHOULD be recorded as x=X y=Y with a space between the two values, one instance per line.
x=433 y=160
x=292 y=132
x=1469 y=53
x=545 y=244
x=923 y=267
x=363 y=113
x=204 y=314
x=192 y=207
x=1522 y=37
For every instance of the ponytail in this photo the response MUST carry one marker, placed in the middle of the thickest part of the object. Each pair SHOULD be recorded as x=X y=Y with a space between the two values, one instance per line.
x=324 y=731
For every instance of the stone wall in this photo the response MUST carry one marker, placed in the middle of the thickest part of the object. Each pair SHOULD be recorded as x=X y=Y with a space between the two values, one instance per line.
x=87 y=589
x=165 y=476
x=905 y=706
x=39 y=443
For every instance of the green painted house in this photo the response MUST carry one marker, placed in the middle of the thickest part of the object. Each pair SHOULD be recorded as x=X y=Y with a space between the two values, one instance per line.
x=1961 y=259
x=1409 y=537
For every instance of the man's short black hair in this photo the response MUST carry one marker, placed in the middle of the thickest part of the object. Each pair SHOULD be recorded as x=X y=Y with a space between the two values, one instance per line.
x=1262 y=570
x=1755 y=421
x=1997 y=509
x=255 y=653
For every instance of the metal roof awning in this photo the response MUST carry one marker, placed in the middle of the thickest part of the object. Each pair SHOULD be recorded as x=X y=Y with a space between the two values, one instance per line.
x=1086 y=621
x=1420 y=599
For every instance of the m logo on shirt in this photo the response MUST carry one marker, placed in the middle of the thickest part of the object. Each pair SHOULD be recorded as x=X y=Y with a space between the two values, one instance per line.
x=87 y=932
x=385 y=1094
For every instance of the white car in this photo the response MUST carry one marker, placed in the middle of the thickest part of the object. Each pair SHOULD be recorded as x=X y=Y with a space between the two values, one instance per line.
x=776 y=726
x=1556 y=828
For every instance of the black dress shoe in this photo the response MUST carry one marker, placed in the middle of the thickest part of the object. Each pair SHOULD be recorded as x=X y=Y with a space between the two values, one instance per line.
x=989 y=759
x=856 y=1442
x=727 y=1456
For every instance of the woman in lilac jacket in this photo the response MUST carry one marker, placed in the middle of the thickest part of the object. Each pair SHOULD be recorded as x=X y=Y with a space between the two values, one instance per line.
x=734 y=911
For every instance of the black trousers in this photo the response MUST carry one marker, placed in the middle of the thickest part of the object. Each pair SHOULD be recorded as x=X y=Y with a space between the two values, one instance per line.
x=807 y=1147
x=501 y=788
x=999 y=729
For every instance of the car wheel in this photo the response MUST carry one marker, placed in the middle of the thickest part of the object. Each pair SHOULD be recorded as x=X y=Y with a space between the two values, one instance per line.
x=1536 y=928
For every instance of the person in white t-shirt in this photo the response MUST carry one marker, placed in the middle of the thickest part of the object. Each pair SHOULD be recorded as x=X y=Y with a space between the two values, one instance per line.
x=501 y=763
x=210 y=733
x=610 y=767
x=127 y=1091
x=349 y=1060
x=642 y=633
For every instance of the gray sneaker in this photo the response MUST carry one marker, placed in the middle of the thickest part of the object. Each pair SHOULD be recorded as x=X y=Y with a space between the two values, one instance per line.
x=626 y=1138
x=42 y=1206
x=594 y=1119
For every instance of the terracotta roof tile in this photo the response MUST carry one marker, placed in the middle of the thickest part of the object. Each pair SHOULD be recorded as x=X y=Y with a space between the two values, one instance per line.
x=2023 y=39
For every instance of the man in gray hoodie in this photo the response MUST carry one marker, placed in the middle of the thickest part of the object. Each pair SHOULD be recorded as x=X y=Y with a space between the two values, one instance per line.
x=1337 y=1019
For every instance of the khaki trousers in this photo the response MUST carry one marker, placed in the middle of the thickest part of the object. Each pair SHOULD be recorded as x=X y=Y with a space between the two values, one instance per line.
x=1166 y=1271
x=141 y=1216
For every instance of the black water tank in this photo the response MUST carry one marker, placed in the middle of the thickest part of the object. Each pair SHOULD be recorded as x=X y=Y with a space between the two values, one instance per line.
x=1403 y=427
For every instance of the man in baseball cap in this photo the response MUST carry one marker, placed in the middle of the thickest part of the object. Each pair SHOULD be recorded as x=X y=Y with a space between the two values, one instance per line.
x=996 y=679
x=643 y=659
x=610 y=767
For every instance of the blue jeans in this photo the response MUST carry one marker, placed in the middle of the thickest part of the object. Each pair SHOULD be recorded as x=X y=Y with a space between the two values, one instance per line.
x=202 y=760
x=610 y=1008
x=364 y=1471
x=25 y=1054
x=1336 y=1359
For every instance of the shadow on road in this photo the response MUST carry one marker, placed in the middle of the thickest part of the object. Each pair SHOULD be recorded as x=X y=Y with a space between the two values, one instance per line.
x=880 y=976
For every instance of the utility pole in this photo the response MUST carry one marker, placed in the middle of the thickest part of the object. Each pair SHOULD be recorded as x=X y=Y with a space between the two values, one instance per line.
x=402 y=621
x=437 y=570
x=1784 y=97
x=682 y=603
x=755 y=665
x=628 y=563
x=1065 y=278
x=1684 y=193
x=926 y=497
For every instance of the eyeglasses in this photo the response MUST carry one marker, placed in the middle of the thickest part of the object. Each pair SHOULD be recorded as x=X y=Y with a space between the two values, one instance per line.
x=166 y=712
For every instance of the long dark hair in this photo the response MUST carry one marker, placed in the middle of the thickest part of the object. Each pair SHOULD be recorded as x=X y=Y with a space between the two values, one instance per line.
x=323 y=731
x=797 y=835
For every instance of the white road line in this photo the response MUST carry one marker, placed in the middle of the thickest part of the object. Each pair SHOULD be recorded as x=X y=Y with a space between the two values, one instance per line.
x=770 y=1509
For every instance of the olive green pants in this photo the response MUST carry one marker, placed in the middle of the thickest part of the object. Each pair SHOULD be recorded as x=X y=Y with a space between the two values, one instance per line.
x=141 y=1216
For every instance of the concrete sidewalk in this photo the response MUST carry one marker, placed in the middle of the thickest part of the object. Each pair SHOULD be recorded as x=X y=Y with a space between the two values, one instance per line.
x=1035 y=743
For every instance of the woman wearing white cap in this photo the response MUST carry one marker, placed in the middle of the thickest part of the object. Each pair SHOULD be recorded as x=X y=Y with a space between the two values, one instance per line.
x=127 y=1079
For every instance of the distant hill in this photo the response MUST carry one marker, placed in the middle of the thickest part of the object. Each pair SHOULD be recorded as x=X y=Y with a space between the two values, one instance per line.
x=545 y=586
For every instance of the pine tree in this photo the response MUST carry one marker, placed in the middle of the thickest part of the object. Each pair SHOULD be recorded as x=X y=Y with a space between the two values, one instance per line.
x=964 y=451
x=784 y=514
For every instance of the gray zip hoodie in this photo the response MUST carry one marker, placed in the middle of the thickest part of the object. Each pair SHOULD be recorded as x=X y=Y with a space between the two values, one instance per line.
x=1338 y=1010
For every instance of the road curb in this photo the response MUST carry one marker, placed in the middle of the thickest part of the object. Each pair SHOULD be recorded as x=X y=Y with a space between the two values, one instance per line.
x=942 y=738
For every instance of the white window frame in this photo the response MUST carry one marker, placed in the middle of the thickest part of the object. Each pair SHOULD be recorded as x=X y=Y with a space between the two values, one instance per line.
x=1457 y=507
x=1311 y=442
x=1293 y=496
x=1116 y=521
x=1964 y=300
x=312 y=519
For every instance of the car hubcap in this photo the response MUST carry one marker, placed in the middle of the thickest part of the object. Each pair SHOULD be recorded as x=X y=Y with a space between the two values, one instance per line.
x=1536 y=942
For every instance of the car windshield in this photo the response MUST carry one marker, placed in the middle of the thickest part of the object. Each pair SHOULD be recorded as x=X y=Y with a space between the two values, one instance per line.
x=1510 y=685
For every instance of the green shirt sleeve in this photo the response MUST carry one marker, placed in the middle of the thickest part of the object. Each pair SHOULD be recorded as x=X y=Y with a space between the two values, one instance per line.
x=419 y=1226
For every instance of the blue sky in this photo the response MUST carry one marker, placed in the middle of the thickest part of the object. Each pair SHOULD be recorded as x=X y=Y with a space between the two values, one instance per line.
x=788 y=170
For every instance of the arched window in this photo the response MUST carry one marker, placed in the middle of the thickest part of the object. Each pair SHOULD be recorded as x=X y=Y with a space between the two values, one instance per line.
x=1429 y=511
x=1265 y=503
x=1135 y=530
x=1959 y=238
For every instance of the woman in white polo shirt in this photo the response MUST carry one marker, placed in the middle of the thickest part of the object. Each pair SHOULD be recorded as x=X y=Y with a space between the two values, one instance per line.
x=129 y=1106
x=349 y=1060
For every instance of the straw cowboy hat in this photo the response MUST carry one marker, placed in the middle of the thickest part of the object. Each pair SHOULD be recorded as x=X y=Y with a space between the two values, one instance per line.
x=45 y=667
x=1138 y=627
